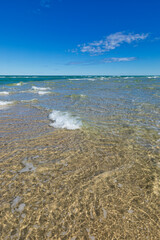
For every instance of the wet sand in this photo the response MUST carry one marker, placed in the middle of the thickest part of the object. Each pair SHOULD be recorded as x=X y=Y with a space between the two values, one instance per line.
x=80 y=184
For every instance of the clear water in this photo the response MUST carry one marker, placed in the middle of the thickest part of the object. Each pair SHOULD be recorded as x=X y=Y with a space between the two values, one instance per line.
x=79 y=157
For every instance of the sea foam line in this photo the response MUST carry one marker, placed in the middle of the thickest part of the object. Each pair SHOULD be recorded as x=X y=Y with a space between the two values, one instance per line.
x=64 y=120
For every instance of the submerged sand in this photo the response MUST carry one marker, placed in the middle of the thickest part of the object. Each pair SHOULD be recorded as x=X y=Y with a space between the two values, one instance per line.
x=76 y=184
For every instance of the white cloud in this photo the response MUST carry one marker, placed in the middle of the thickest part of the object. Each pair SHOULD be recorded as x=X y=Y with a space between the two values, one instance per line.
x=115 y=59
x=102 y=61
x=110 y=42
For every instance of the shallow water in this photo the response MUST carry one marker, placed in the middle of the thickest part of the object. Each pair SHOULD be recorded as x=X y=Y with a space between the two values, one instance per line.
x=80 y=157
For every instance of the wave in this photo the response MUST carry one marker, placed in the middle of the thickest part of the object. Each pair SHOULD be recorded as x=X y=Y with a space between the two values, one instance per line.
x=128 y=77
x=37 y=91
x=34 y=100
x=4 y=93
x=43 y=92
x=40 y=88
x=5 y=104
x=76 y=96
x=103 y=78
x=16 y=84
x=82 y=79
x=153 y=77
x=64 y=120
x=19 y=84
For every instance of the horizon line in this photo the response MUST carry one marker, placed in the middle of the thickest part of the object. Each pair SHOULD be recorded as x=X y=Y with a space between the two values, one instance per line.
x=37 y=75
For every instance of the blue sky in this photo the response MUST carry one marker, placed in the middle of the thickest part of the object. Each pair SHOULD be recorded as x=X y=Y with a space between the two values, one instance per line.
x=66 y=37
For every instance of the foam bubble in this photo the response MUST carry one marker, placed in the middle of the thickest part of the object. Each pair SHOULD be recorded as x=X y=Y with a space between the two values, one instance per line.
x=4 y=93
x=64 y=120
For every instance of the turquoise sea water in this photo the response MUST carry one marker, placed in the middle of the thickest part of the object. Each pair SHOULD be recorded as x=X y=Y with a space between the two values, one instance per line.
x=117 y=104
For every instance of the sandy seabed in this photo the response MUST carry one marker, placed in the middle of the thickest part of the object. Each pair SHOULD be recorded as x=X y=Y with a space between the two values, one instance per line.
x=75 y=184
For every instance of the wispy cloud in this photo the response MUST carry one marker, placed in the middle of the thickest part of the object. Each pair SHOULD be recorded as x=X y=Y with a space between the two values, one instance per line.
x=102 y=61
x=82 y=62
x=110 y=42
x=115 y=59
x=45 y=3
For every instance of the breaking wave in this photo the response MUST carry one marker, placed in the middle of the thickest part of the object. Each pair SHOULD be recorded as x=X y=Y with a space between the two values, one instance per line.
x=64 y=120
x=40 y=90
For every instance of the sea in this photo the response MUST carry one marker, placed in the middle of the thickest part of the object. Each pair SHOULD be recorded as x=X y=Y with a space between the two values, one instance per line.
x=80 y=157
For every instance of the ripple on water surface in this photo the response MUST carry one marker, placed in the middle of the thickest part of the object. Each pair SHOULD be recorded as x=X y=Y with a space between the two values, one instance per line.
x=61 y=179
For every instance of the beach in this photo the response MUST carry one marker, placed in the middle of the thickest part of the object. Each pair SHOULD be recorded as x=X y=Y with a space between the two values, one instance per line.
x=79 y=157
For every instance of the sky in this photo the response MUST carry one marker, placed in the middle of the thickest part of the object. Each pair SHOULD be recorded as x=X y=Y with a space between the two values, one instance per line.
x=79 y=37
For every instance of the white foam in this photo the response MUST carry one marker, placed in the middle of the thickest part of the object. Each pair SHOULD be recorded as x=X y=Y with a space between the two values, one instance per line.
x=75 y=79
x=39 y=88
x=43 y=92
x=36 y=92
x=153 y=77
x=82 y=95
x=64 y=120
x=5 y=104
x=102 y=78
x=4 y=93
